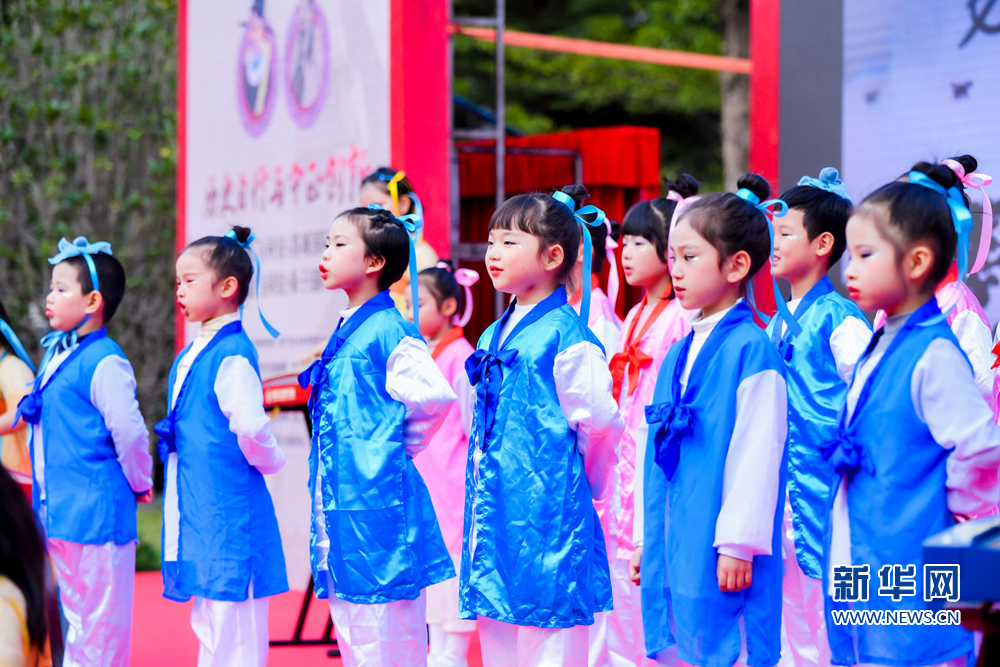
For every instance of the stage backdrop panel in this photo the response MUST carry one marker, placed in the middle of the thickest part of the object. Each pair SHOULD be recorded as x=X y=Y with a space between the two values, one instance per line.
x=284 y=106
x=921 y=82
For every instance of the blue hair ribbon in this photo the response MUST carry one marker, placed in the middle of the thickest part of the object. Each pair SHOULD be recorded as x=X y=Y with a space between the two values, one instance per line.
x=961 y=217
x=829 y=180
x=413 y=224
x=81 y=246
x=772 y=208
x=588 y=249
x=15 y=344
x=231 y=234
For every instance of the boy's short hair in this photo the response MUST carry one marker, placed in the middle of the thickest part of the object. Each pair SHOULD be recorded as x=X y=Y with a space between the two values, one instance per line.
x=385 y=238
x=822 y=212
x=110 y=275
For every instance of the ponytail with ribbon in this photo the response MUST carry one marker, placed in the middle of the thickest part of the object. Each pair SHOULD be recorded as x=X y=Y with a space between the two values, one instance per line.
x=609 y=253
x=231 y=235
x=772 y=208
x=961 y=218
x=465 y=278
x=414 y=225
x=976 y=181
x=598 y=219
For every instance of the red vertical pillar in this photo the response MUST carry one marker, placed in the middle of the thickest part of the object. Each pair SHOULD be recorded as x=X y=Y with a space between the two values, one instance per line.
x=765 y=54
x=180 y=240
x=420 y=95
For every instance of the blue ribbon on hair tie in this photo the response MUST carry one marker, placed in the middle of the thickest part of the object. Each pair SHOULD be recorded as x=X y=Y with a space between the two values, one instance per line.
x=413 y=224
x=15 y=344
x=81 y=246
x=961 y=217
x=829 y=180
x=772 y=208
x=231 y=234
x=588 y=249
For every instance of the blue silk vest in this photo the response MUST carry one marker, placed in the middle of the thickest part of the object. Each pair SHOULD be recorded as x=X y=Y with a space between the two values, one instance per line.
x=816 y=394
x=896 y=496
x=88 y=498
x=540 y=556
x=228 y=529
x=385 y=542
x=695 y=430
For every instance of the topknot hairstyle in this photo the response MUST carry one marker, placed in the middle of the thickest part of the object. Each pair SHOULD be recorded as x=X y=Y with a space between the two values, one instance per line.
x=227 y=258
x=731 y=224
x=822 y=211
x=918 y=214
x=545 y=217
x=385 y=238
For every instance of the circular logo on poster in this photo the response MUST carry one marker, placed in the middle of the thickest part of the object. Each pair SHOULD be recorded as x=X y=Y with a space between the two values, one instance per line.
x=307 y=63
x=256 y=72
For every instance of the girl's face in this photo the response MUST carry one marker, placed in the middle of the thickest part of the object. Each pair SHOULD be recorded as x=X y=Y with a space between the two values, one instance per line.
x=344 y=264
x=641 y=264
x=699 y=281
x=874 y=279
x=372 y=194
x=67 y=305
x=200 y=294
x=512 y=258
x=434 y=321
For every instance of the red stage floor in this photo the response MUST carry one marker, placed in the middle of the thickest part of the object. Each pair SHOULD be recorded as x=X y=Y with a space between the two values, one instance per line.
x=162 y=636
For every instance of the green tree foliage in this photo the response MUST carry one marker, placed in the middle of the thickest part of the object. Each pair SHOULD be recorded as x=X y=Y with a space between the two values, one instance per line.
x=87 y=148
x=551 y=91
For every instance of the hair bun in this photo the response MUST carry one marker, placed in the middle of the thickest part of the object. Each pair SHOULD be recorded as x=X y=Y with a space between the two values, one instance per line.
x=242 y=234
x=939 y=173
x=616 y=229
x=579 y=193
x=756 y=184
x=968 y=162
x=686 y=185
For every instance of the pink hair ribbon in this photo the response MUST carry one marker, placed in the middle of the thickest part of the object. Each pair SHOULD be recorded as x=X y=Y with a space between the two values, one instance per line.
x=682 y=205
x=609 y=251
x=977 y=181
x=466 y=278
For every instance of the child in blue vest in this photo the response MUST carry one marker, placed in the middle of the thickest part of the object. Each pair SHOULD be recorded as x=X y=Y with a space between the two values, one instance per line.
x=819 y=360
x=917 y=449
x=89 y=454
x=220 y=535
x=534 y=564
x=715 y=457
x=376 y=396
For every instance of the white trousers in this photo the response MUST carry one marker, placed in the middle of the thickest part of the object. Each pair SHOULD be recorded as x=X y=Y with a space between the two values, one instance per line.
x=96 y=588
x=508 y=645
x=391 y=634
x=231 y=634
x=448 y=649
x=618 y=641
x=804 y=640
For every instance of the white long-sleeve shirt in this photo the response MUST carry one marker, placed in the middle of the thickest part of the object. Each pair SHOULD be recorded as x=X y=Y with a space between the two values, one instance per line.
x=583 y=386
x=947 y=399
x=751 y=475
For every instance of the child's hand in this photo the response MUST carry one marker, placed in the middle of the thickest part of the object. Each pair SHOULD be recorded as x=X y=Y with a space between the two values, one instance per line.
x=144 y=497
x=634 y=566
x=734 y=574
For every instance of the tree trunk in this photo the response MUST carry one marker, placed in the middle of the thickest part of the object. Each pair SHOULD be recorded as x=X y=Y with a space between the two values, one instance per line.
x=735 y=90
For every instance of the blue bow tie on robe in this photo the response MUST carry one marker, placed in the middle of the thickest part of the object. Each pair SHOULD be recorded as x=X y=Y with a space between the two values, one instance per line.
x=673 y=422
x=165 y=430
x=846 y=455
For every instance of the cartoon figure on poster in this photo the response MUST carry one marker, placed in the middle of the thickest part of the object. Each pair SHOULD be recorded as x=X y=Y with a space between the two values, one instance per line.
x=257 y=61
x=307 y=63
